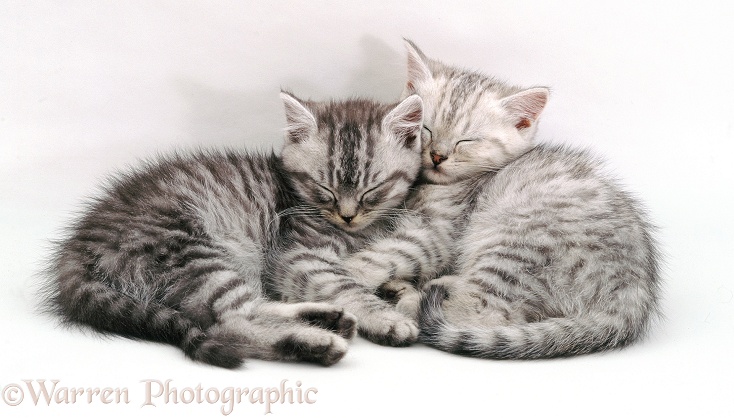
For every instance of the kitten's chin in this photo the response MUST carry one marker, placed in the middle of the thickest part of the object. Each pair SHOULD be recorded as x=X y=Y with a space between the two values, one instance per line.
x=434 y=176
x=352 y=227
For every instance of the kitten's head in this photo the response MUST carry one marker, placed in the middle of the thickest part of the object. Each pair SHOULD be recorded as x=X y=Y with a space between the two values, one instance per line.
x=353 y=160
x=472 y=123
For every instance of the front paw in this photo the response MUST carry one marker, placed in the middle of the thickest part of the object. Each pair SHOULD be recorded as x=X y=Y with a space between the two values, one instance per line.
x=446 y=281
x=330 y=318
x=394 y=290
x=409 y=305
x=389 y=327
x=403 y=295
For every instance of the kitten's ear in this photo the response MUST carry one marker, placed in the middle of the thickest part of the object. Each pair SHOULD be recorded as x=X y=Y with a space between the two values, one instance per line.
x=300 y=122
x=418 y=70
x=405 y=122
x=525 y=107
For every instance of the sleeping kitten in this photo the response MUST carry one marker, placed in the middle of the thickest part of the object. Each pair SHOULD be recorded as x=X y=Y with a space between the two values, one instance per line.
x=182 y=250
x=552 y=257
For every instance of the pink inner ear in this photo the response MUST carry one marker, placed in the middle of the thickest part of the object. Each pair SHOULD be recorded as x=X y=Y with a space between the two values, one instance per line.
x=526 y=106
x=524 y=123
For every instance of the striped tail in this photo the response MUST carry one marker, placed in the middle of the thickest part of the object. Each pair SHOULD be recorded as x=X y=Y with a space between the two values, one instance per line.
x=109 y=310
x=552 y=337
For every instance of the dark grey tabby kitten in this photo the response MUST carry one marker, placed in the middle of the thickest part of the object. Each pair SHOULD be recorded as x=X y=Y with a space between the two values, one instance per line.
x=552 y=257
x=187 y=249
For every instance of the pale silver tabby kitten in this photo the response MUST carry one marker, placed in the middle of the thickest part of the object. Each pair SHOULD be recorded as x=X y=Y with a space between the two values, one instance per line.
x=548 y=256
x=200 y=250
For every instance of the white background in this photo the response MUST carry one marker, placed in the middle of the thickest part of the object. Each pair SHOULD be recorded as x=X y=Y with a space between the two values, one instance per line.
x=88 y=88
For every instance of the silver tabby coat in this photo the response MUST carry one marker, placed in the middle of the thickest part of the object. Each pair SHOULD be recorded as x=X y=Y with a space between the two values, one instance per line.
x=201 y=250
x=548 y=256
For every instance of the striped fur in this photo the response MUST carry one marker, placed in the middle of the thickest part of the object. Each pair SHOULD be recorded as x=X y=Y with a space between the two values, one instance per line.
x=201 y=250
x=551 y=257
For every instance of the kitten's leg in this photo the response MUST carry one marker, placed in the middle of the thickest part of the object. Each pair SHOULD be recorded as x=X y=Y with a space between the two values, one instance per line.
x=247 y=326
x=422 y=247
x=379 y=322
x=416 y=251
x=317 y=274
x=155 y=284
x=309 y=332
x=423 y=244
x=394 y=267
x=329 y=317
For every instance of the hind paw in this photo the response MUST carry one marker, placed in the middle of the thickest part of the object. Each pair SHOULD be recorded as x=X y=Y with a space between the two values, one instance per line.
x=331 y=318
x=314 y=347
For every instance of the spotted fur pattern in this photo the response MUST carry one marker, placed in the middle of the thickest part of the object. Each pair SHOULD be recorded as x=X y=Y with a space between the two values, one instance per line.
x=183 y=250
x=552 y=257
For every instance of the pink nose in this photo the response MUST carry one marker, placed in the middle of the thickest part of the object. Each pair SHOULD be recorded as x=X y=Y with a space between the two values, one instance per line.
x=437 y=158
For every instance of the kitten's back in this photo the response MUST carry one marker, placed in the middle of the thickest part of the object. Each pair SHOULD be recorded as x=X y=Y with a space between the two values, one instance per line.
x=563 y=251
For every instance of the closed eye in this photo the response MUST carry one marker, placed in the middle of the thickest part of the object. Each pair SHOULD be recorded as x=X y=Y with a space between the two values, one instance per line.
x=371 y=200
x=327 y=197
x=464 y=141
x=430 y=133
